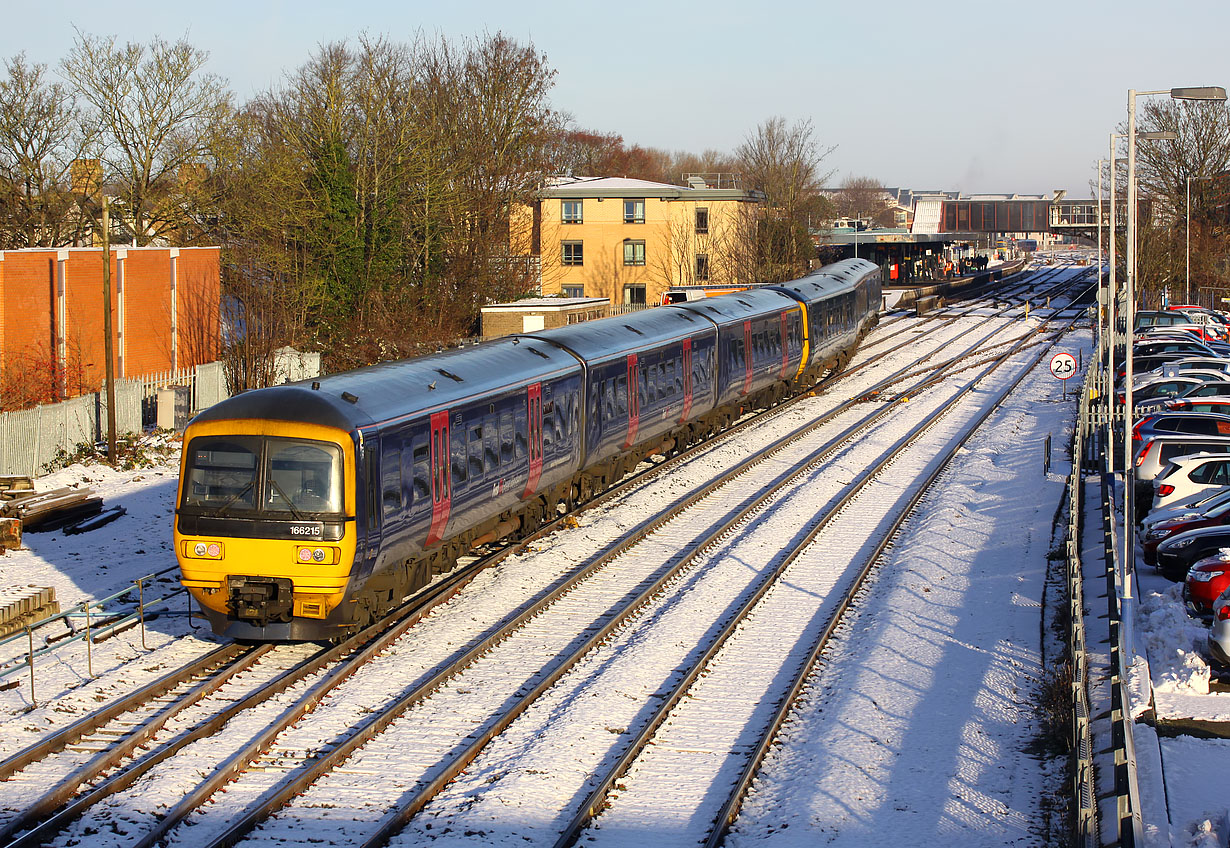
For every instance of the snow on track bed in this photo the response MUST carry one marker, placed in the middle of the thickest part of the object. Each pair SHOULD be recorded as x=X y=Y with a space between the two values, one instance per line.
x=519 y=789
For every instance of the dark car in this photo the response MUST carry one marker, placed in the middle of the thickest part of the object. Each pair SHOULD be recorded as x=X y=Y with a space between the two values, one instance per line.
x=1218 y=516
x=1193 y=348
x=1176 y=555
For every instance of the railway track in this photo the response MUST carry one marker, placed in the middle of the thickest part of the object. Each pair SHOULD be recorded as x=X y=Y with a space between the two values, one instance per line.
x=275 y=755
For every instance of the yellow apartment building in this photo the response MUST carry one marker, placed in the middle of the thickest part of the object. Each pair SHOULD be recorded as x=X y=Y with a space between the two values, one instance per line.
x=630 y=240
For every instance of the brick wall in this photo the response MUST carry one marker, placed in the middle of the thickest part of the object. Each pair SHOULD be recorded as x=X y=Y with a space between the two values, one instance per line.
x=34 y=336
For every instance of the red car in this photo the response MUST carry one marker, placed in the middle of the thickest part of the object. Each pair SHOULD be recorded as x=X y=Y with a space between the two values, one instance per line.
x=1216 y=517
x=1206 y=580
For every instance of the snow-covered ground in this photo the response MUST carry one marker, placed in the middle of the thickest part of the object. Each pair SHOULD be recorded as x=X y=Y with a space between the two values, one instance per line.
x=920 y=725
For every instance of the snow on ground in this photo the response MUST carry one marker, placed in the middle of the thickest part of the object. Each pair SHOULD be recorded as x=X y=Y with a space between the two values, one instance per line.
x=956 y=796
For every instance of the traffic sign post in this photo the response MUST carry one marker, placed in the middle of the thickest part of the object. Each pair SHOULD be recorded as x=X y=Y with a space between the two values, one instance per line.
x=1063 y=368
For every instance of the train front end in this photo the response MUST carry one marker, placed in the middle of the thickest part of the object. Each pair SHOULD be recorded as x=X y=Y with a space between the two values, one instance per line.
x=265 y=527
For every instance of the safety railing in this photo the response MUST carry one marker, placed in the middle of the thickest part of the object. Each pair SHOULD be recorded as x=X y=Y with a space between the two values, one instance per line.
x=90 y=622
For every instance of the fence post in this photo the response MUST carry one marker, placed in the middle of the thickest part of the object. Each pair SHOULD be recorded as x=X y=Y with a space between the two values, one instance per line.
x=89 y=642
x=141 y=608
x=30 y=660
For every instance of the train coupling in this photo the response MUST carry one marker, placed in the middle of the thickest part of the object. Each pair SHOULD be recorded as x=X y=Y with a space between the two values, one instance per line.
x=260 y=600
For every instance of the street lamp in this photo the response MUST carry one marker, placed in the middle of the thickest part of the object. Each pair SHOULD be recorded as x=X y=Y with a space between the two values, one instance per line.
x=1208 y=93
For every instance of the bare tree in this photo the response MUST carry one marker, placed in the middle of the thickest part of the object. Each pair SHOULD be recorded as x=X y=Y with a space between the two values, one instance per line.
x=863 y=197
x=38 y=145
x=1199 y=158
x=152 y=112
x=784 y=162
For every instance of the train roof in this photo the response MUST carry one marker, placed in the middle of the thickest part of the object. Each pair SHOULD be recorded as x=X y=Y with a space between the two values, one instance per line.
x=390 y=390
x=831 y=279
x=614 y=337
x=737 y=306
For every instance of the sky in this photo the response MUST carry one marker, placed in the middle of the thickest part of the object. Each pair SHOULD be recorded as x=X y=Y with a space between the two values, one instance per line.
x=953 y=95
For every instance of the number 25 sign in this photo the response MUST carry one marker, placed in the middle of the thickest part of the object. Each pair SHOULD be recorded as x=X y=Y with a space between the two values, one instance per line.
x=1063 y=365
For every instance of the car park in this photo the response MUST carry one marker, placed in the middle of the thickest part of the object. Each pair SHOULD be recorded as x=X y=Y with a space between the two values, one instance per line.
x=1207 y=579
x=1176 y=555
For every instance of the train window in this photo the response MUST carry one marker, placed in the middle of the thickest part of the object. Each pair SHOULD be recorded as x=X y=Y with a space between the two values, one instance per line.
x=476 y=451
x=422 y=470
x=221 y=473
x=307 y=477
x=650 y=381
x=549 y=425
x=642 y=389
x=665 y=384
x=457 y=458
x=390 y=475
x=621 y=396
x=506 y=437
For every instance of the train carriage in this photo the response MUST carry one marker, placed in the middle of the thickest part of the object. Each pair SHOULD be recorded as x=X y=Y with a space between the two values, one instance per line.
x=648 y=376
x=760 y=345
x=310 y=508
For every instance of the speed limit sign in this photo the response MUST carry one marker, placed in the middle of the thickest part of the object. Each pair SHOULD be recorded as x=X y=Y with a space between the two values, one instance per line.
x=1063 y=365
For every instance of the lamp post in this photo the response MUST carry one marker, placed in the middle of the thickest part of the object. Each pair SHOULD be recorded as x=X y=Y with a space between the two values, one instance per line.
x=1211 y=93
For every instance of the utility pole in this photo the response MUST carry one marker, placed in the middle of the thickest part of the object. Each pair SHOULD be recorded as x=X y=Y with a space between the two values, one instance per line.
x=107 y=347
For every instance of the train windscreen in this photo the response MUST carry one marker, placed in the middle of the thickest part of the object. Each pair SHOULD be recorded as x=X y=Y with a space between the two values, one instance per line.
x=250 y=474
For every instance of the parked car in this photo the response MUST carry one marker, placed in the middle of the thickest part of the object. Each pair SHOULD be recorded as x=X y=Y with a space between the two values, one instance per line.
x=1167 y=372
x=1217 y=516
x=1219 y=631
x=1191 y=507
x=1205 y=581
x=1200 y=423
x=1207 y=388
x=1159 y=391
x=1176 y=555
x=1155 y=455
x=1187 y=475
x=1195 y=347
x=1210 y=404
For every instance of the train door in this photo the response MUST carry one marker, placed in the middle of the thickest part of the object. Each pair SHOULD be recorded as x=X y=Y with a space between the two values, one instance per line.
x=747 y=357
x=534 y=426
x=634 y=401
x=687 y=380
x=441 y=485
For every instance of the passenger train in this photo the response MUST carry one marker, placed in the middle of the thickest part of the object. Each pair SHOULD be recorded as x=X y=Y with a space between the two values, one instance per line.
x=307 y=510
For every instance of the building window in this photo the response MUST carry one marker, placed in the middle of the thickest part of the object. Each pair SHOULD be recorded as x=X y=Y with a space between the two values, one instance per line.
x=634 y=211
x=573 y=254
x=702 y=221
x=570 y=212
x=634 y=252
x=634 y=295
x=574 y=290
x=702 y=266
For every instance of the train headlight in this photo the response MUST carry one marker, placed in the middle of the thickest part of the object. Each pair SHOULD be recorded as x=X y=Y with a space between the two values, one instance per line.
x=202 y=550
x=322 y=555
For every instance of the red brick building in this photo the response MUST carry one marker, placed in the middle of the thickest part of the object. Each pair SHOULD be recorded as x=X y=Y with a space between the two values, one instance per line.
x=164 y=303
